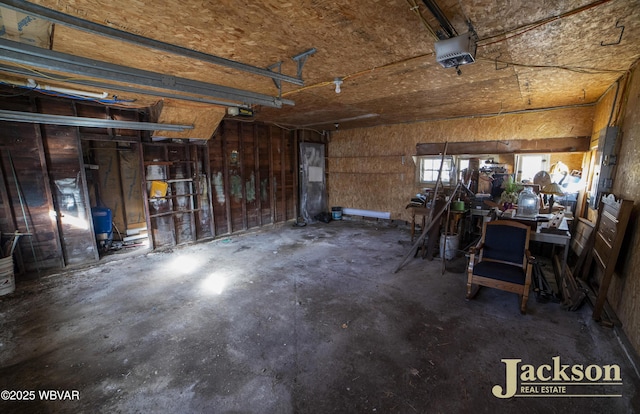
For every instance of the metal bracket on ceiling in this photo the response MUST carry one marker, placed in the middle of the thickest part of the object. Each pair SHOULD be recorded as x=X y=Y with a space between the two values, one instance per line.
x=621 y=27
x=496 y=63
x=277 y=82
x=301 y=59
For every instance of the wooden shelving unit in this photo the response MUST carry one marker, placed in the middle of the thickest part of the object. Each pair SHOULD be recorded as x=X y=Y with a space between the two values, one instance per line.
x=177 y=216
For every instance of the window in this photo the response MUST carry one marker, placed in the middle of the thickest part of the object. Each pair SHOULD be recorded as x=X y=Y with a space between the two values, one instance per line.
x=429 y=167
x=529 y=165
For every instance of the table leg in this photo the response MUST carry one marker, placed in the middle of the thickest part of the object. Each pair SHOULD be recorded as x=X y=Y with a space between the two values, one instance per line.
x=413 y=226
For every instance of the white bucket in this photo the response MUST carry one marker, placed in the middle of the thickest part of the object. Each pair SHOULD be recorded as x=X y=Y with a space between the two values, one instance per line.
x=449 y=246
x=7 y=279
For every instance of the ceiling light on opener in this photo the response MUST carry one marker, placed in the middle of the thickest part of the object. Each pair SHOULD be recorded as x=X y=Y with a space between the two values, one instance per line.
x=338 y=83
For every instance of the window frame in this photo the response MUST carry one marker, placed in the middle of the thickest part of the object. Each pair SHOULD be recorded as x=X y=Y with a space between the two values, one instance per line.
x=520 y=159
x=448 y=180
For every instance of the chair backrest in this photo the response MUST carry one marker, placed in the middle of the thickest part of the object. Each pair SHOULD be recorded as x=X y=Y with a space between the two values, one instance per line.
x=505 y=241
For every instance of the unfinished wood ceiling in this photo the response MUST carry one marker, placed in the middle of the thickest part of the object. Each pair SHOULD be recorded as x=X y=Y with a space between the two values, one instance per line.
x=531 y=54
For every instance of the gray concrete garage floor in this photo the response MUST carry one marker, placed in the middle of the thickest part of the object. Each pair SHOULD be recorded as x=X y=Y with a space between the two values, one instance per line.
x=293 y=320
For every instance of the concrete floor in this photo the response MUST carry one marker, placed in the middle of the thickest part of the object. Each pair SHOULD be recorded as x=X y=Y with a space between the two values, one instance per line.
x=291 y=320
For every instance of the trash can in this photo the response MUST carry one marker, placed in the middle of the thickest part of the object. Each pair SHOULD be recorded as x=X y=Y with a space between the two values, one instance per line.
x=336 y=213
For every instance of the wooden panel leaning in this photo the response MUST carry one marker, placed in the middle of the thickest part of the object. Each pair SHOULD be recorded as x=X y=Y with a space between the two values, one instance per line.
x=613 y=217
x=581 y=245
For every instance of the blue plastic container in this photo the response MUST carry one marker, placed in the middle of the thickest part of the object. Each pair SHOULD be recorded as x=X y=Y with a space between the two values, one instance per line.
x=102 y=223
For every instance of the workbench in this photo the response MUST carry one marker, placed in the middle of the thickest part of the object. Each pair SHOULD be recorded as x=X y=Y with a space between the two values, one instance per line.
x=560 y=236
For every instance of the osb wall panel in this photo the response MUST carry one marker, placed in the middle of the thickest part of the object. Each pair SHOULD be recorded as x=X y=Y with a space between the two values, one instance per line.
x=624 y=293
x=372 y=169
x=570 y=122
x=572 y=160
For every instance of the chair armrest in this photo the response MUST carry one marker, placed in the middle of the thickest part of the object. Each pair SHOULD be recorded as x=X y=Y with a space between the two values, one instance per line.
x=472 y=255
x=475 y=249
x=530 y=258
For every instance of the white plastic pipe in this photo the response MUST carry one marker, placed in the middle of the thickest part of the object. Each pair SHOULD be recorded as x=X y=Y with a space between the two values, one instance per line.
x=33 y=84
x=367 y=213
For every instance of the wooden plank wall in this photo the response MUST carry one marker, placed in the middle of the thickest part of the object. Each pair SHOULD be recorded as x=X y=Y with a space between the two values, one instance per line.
x=54 y=188
x=243 y=178
x=253 y=176
x=27 y=197
x=116 y=182
x=68 y=184
x=204 y=210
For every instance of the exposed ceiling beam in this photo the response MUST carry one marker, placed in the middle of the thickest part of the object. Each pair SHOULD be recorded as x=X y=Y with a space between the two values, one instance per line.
x=23 y=54
x=536 y=146
x=91 y=27
x=37 y=118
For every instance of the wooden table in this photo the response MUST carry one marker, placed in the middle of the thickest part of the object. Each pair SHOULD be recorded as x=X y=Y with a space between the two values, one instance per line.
x=418 y=211
x=561 y=238
x=454 y=221
x=430 y=242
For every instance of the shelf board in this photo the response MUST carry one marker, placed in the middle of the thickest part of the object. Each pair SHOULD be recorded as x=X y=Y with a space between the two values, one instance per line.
x=176 y=180
x=173 y=196
x=172 y=213
x=146 y=163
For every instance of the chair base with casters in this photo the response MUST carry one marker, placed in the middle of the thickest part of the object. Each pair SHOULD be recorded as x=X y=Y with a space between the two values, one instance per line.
x=501 y=260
